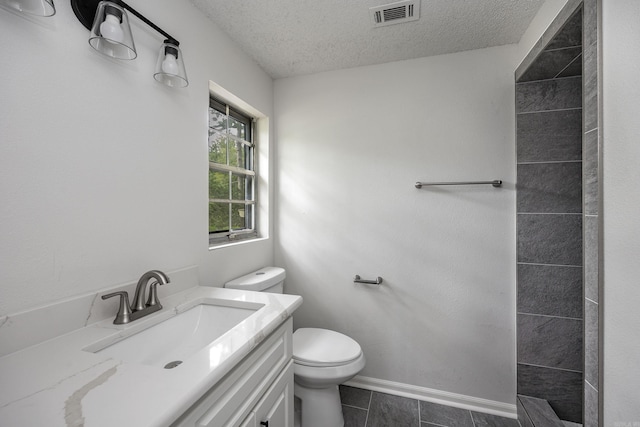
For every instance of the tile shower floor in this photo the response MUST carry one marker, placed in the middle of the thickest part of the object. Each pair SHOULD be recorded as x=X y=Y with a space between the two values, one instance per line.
x=364 y=408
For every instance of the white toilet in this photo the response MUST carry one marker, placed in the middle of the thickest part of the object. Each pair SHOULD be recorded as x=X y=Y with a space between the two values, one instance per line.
x=322 y=359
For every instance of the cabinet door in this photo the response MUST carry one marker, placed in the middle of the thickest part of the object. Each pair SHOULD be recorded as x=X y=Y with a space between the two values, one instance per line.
x=275 y=409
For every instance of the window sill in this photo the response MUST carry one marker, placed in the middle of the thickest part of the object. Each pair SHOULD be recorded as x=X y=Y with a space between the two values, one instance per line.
x=240 y=242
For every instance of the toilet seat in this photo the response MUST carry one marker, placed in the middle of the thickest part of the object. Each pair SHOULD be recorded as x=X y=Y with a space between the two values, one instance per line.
x=323 y=348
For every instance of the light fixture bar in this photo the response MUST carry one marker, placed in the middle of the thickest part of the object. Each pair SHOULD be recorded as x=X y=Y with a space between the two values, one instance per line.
x=140 y=16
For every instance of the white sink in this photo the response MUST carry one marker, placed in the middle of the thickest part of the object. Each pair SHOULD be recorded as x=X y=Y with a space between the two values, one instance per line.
x=172 y=341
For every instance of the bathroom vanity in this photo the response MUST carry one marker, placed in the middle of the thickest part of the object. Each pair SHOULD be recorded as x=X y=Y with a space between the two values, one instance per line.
x=258 y=392
x=171 y=368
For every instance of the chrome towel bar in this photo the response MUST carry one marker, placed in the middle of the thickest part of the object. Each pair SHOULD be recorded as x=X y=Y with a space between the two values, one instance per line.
x=496 y=183
x=357 y=279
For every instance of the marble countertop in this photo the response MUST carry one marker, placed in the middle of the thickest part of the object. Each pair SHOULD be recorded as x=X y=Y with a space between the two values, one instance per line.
x=57 y=383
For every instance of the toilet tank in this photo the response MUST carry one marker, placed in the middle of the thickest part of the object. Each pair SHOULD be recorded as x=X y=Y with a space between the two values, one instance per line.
x=267 y=279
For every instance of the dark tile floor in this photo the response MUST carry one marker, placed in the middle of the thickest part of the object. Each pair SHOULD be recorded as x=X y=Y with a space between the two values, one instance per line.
x=365 y=408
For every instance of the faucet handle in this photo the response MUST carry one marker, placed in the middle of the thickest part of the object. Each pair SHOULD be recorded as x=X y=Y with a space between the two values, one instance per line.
x=153 y=295
x=124 y=311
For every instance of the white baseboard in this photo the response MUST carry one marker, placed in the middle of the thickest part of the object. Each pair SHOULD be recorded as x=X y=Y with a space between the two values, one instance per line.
x=436 y=396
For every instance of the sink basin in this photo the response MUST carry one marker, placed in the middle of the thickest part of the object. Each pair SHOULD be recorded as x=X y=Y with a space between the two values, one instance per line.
x=172 y=341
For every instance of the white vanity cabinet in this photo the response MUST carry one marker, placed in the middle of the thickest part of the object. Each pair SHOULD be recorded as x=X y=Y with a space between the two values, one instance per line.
x=257 y=392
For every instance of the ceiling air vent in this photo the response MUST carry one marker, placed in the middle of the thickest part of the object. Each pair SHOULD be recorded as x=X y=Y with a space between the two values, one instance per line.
x=395 y=13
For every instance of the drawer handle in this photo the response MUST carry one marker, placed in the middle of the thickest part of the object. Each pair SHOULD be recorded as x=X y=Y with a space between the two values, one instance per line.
x=264 y=423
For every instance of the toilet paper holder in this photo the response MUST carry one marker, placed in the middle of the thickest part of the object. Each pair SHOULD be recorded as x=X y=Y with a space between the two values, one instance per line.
x=358 y=279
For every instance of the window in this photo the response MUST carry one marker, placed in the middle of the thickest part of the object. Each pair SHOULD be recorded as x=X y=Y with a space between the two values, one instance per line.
x=232 y=204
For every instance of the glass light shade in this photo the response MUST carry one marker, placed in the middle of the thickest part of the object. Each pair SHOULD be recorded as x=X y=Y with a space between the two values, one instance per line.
x=32 y=7
x=110 y=33
x=170 y=67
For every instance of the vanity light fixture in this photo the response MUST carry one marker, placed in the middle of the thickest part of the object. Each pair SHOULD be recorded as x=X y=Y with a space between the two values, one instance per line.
x=111 y=36
x=32 y=7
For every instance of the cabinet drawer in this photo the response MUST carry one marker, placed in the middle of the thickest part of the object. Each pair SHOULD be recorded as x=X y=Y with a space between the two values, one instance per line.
x=230 y=401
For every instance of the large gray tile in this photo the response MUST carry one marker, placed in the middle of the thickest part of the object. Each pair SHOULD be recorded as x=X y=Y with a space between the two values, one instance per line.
x=550 y=341
x=550 y=289
x=488 y=420
x=387 y=410
x=562 y=389
x=354 y=417
x=353 y=396
x=540 y=412
x=445 y=415
x=591 y=285
x=591 y=412
x=548 y=95
x=550 y=239
x=549 y=187
x=549 y=136
x=550 y=63
x=570 y=34
x=523 y=417
x=591 y=355
x=590 y=173
x=590 y=87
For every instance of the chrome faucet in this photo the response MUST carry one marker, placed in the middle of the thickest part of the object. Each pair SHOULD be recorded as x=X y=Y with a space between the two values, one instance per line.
x=140 y=308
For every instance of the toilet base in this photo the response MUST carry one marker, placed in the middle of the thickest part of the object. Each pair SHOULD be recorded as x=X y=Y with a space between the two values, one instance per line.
x=320 y=407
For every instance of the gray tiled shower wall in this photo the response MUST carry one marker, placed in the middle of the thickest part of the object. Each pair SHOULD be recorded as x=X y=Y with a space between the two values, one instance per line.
x=549 y=242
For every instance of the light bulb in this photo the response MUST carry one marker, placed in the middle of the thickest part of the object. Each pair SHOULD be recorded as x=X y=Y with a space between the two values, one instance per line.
x=110 y=29
x=170 y=65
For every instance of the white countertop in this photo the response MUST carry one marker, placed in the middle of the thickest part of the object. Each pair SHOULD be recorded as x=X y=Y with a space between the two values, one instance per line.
x=56 y=383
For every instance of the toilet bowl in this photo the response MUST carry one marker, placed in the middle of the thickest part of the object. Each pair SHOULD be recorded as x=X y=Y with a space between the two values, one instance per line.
x=322 y=359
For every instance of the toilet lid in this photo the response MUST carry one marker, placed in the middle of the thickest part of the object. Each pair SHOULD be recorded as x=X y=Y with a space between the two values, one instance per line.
x=322 y=347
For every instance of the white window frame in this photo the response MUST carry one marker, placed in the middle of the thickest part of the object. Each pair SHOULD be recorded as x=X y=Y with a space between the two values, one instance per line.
x=250 y=230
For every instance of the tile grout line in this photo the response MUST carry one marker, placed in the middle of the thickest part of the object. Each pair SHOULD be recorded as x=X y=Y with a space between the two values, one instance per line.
x=550 y=315
x=568 y=65
x=550 y=213
x=546 y=80
x=550 y=367
x=591 y=385
x=354 y=407
x=556 y=50
x=419 y=415
x=544 y=162
x=473 y=421
x=366 y=419
x=548 y=265
x=549 y=111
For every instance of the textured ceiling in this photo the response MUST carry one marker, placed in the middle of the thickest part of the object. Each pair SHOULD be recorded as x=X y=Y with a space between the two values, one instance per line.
x=295 y=37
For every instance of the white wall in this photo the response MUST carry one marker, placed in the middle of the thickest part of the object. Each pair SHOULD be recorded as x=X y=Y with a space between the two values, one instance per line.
x=621 y=153
x=103 y=171
x=351 y=145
